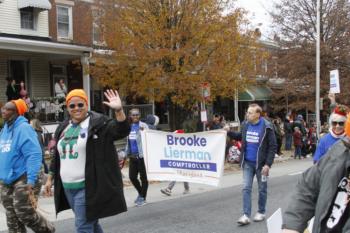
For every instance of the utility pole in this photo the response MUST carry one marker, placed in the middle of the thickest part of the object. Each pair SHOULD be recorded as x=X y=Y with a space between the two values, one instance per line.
x=318 y=40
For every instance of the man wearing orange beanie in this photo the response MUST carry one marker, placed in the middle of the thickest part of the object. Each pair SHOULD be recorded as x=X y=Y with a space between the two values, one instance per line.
x=77 y=93
x=323 y=191
x=20 y=171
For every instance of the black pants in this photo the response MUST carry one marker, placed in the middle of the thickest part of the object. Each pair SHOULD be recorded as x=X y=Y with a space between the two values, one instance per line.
x=137 y=166
x=279 y=145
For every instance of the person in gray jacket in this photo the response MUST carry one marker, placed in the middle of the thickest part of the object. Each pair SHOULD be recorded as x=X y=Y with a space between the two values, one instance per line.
x=135 y=154
x=323 y=191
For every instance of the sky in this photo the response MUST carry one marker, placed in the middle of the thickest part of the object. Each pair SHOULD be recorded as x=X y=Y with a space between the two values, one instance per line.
x=258 y=14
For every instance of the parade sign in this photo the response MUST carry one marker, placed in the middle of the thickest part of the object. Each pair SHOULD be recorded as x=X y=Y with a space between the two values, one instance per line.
x=192 y=157
x=334 y=82
x=274 y=223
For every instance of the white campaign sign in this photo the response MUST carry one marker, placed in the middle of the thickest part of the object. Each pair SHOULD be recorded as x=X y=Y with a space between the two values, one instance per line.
x=334 y=82
x=274 y=223
x=192 y=157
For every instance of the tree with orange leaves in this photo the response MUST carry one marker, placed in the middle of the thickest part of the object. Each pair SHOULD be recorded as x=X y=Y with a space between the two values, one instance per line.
x=168 y=48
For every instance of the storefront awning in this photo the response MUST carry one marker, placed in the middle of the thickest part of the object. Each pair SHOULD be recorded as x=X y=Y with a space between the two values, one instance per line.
x=255 y=93
x=40 y=4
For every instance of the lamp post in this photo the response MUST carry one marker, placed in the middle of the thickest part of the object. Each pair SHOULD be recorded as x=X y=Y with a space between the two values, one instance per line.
x=318 y=39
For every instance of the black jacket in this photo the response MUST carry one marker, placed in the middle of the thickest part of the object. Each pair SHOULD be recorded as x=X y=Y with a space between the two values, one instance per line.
x=267 y=147
x=103 y=179
x=12 y=93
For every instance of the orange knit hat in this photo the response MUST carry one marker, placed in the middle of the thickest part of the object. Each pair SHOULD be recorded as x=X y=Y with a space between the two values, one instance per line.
x=21 y=106
x=77 y=93
x=347 y=126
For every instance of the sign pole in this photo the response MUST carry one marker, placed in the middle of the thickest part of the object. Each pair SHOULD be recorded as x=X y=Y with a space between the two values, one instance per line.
x=318 y=39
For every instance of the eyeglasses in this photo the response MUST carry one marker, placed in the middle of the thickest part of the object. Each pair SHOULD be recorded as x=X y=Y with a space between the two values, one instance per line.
x=135 y=115
x=340 y=123
x=80 y=105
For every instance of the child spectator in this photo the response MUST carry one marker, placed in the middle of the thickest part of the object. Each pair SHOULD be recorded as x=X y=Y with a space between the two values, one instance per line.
x=234 y=150
x=297 y=136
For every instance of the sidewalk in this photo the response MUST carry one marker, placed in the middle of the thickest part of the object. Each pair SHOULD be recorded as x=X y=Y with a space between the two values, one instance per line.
x=232 y=176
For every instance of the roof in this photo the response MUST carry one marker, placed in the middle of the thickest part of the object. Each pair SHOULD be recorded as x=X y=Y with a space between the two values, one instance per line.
x=40 y=4
x=42 y=46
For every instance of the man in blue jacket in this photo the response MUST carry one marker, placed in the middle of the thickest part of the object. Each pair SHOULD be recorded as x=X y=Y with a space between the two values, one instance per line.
x=258 y=152
x=20 y=163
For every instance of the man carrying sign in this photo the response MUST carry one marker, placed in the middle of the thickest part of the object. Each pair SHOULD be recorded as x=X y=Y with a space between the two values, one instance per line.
x=258 y=152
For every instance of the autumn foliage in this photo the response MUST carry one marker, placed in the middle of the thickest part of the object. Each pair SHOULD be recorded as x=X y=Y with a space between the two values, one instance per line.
x=168 y=48
x=295 y=28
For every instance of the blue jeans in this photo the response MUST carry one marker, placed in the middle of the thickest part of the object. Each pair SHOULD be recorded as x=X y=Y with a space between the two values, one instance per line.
x=249 y=171
x=76 y=200
x=297 y=152
x=289 y=140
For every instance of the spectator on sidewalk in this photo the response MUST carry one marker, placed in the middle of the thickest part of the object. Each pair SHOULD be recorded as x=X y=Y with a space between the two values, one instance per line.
x=323 y=192
x=215 y=123
x=35 y=123
x=234 y=147
x=20 y=174
x=279 y=133
x=258 y=152
x=336 y=131
x=152 y=121
x=288 y=130
x=135 y=154
x=87 y=178
x=297 y=138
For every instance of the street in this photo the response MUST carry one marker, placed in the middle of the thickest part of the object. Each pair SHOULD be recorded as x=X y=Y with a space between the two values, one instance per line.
x=206 y=210
x=210 y=212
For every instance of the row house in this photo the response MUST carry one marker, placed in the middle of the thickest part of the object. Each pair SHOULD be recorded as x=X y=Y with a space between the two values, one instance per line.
x=260 y=92
x=42 y=41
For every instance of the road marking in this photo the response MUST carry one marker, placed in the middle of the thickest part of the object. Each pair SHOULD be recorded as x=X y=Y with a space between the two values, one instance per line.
x=295 y=173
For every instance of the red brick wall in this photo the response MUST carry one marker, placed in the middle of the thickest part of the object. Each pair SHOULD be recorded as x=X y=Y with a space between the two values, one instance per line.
x=82 y=23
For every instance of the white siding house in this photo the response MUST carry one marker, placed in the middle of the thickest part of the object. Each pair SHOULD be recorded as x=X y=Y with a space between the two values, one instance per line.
x=10 y=19
x=28 y=54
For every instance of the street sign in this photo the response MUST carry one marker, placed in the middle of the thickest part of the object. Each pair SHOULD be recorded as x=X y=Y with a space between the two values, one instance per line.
x=204 y=117
x=334 y=82
x=205 y=90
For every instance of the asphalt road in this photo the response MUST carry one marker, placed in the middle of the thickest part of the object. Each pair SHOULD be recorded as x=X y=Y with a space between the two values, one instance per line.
x=210 y=212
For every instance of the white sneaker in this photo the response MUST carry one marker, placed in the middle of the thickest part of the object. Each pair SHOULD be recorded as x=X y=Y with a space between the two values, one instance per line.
x=186 y=191
x=244 y=220
x=166 y=191
x=259 y=217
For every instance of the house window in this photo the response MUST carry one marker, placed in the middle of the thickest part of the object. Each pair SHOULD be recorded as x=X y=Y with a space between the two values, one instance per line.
x=28 y=18
x=96 y=33
x=97 y=28
x=64 y=22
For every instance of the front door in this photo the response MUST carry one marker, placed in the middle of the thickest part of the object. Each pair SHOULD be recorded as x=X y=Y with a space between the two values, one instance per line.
x=19 y=71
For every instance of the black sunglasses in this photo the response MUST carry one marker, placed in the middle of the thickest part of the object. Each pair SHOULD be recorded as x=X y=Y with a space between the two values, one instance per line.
x=340 y=123
x=72 y=106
